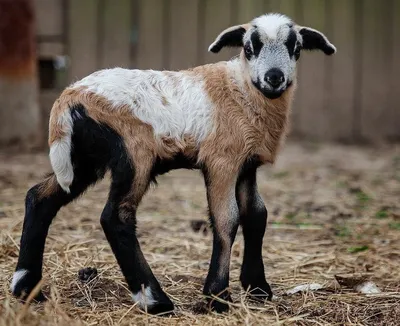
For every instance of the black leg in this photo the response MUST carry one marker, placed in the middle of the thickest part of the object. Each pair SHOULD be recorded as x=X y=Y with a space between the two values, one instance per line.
x=253 y=219
x=119 y=224
x=224 y=217
x=41 y=206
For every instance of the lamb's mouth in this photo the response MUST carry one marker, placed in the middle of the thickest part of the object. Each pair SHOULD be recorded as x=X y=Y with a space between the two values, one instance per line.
x=272 y=94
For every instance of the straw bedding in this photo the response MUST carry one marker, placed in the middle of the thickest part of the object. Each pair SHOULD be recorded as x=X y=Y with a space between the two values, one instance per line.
x=333 y=211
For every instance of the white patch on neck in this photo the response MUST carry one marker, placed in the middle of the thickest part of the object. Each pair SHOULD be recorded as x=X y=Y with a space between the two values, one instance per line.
x=271 y=23
x=18 y=275
x=144 y=298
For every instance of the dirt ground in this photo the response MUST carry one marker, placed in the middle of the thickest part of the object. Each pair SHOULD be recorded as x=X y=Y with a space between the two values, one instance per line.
x=333 y=211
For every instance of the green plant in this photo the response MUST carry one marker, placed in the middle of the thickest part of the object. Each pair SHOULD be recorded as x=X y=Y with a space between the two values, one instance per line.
x=394 y=225
x=383 y=213
x=356 y=249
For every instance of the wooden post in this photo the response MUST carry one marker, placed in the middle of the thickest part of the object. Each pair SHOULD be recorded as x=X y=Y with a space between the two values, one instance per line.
x=19 y=109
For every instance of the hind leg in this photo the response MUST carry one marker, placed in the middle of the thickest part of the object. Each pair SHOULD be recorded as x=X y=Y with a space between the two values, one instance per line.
x=119 y=224
x=41 y=206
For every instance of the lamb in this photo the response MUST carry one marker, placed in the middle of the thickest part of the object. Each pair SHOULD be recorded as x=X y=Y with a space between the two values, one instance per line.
x=225 y=119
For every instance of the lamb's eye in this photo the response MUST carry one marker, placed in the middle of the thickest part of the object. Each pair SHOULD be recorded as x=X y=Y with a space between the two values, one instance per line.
x=247 y=51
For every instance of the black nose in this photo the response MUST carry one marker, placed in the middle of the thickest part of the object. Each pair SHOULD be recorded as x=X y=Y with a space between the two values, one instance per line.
x=274 y=77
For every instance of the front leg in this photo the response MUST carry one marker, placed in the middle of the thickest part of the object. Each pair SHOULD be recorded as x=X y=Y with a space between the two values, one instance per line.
x=253 y=219
x=224 y=215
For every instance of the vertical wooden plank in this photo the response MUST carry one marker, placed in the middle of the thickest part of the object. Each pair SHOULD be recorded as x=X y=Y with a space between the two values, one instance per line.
x=217 y=18
x=19 y=110
x=311 y=82
x=183 y=37
x=339 y=96
x=48 y=17
x=287 y=7
x=149 y=52
x=250 y=9
x=394 y=131
x=116 y=28
x=375 y=71
x=82 y=37
x=274 y=6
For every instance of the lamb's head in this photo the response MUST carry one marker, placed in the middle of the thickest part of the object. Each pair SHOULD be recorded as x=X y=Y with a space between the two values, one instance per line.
x=271 y=46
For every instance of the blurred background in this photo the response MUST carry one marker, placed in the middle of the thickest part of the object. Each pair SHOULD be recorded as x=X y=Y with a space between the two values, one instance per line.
x=47 y=44
x=332 y=196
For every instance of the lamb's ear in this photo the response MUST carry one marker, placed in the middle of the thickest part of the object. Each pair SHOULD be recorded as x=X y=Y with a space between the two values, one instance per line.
x=315 y=40
x=231 y=37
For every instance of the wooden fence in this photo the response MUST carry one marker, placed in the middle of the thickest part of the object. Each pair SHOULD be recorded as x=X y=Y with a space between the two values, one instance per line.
x=350 y=97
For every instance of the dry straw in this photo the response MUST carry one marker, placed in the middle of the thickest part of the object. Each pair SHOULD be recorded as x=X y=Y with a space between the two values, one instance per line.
x=332 y=211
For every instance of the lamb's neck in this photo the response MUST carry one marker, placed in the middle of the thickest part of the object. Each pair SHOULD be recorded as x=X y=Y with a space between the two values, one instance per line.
x=269 y=117
x=251 y=99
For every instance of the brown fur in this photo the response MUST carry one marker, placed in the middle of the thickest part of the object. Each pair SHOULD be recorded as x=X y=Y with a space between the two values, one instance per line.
x=222 y=203
x=247 y=124
x=48 y=187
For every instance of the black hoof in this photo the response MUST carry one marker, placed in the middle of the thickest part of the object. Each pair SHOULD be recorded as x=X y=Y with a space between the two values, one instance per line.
x=219 y=304
x=160 y=303
x=23 y=285
x=161 y=308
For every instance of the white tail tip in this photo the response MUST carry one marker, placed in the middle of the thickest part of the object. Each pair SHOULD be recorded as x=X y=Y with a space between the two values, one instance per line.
x=60 y=158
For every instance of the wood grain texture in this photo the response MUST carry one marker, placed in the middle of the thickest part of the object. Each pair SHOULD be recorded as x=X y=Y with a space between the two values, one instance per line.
x=341 y=89
x=393 y=133
x=19 y=111
x=217 y=18
x=350 y=96
x=116 y=33
x=183 y=37
x=312 y=123
x=83 y=43
x=149 y=50
x=17 y=41
x=375 y=71
x=49 y=20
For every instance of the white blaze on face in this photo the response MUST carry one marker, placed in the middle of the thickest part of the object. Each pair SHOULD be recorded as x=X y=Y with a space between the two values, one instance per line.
x=174 y=104
x=271 y=24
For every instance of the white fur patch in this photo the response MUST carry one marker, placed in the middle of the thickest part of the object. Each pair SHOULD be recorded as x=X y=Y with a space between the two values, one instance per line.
x=174 y=105
x=271 y=23
x=144 y=298
x=60 y=153
x=18 y=275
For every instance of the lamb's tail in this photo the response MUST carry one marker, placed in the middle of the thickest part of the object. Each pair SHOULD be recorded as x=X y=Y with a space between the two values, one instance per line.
x=60 y=132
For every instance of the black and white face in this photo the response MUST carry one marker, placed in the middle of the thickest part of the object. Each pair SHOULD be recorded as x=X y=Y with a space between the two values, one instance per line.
x=272 y=45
